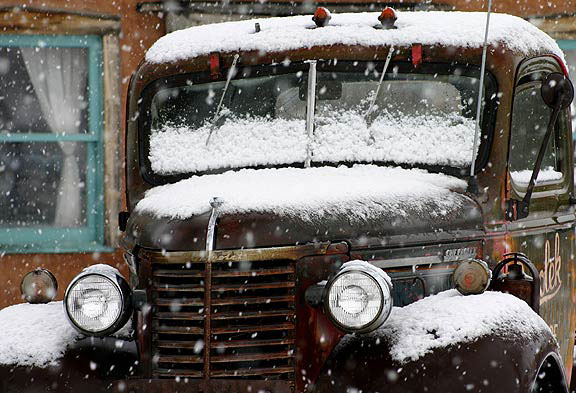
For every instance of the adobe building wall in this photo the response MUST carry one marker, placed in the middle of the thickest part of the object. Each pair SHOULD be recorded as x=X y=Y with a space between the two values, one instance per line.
x=126 y=34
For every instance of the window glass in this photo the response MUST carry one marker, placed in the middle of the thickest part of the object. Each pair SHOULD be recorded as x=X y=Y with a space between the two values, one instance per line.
x=529 y=123
x=420 y=119
x=50 y=143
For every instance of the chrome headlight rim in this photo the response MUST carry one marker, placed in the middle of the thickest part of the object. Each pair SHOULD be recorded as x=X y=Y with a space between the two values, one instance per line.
x=384 y=287
x=120 y=284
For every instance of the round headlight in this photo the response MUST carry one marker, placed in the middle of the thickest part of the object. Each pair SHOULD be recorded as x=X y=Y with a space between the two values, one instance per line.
x=39 y=286
x=358 y=298
x=98 y=301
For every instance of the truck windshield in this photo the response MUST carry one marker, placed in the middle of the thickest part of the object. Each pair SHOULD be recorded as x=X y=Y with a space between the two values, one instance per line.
x=419 y=119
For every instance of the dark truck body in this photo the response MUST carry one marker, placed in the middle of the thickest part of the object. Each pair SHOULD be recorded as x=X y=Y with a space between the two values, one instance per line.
x=419 y=253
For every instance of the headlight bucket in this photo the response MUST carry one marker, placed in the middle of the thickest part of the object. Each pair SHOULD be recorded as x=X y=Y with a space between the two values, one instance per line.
x=358 y=298
x=98 y=301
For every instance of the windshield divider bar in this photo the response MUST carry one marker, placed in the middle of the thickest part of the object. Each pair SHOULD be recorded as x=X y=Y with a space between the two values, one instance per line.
x=480 y=95
x=310 y=108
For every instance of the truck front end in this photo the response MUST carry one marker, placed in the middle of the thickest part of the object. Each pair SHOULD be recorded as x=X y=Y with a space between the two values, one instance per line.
x=299 y=219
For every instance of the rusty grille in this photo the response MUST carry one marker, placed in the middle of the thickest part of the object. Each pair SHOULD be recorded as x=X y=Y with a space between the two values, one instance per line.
x=232 y=319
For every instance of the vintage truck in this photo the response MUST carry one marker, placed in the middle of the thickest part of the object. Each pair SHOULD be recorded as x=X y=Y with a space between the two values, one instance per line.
x=343 y=203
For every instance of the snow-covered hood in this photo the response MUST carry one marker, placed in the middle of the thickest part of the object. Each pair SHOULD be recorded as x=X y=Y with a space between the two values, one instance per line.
x=302 y=205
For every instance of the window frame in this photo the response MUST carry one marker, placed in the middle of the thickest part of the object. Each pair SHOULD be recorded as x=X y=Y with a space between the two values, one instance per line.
x=48 y=239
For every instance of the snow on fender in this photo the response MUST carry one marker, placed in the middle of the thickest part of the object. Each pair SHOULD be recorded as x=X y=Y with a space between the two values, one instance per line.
x=449 y=319
x=34 y=334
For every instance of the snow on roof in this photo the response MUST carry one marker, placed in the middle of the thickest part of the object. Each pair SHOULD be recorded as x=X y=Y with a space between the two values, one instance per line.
x=450 y=318
x=34 y=334
x=360 y=192
x=460 y=29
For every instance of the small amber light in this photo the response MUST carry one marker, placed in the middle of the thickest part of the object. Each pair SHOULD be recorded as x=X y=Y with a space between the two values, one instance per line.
x=472 y=277
x=39 y=286
x=388 y=17
x=321 y=16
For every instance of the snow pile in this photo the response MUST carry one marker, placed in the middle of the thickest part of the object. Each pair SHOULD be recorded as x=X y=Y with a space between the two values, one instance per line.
x=342 y=136
x=461 y=29
x=430 y=140
x=238 y=142
x=360 y=192
x=545 y=174
x=450 y=318
x=34 y=334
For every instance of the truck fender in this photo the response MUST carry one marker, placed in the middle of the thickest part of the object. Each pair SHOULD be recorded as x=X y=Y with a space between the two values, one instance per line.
x=88 y=366
x=488 y=364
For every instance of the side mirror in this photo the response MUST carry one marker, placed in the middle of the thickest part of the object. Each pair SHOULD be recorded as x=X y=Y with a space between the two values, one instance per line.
x=557 y=92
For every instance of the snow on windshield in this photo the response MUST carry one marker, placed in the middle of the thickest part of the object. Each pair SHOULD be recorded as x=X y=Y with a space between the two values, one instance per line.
x=359 y=193
x=342 y=137
x=239 y=142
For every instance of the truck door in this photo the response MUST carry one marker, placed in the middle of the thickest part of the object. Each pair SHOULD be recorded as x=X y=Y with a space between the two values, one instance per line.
x=546 y=236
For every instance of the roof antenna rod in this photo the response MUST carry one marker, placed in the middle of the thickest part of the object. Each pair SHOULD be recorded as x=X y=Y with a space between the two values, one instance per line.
x=216 y=117
x=473 y=182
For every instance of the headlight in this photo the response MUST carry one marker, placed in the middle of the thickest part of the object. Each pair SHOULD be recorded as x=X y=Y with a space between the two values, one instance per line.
x=98 y=301
x=358 y=298
x=39 y=286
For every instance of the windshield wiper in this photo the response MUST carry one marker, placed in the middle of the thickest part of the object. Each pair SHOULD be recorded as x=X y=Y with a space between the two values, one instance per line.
x=375 y=98
x=216 y=117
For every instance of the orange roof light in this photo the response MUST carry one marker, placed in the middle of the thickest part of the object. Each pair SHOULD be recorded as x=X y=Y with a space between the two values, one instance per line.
x=388 y=17
x=321 y=16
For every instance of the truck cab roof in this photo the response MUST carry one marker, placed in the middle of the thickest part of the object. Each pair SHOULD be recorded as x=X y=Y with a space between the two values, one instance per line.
x=447 y=29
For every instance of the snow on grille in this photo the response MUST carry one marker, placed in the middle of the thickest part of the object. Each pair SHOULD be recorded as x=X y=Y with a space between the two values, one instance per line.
x=359 y=193
x=461 y=29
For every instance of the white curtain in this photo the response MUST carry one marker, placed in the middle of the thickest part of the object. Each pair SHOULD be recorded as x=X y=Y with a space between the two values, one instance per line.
x=59 y=77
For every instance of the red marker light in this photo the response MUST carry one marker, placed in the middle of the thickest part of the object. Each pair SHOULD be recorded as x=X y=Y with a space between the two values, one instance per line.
x=321 y=17
x=388 y=18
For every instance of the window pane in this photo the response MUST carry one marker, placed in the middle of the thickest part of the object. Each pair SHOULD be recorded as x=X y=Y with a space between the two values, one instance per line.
x=43 y=90
x=42 y=184
x=529 y=123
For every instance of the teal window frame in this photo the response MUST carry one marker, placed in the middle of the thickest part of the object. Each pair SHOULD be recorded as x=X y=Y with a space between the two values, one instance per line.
x=567 y=44
x=90 y=238
x=570 y=45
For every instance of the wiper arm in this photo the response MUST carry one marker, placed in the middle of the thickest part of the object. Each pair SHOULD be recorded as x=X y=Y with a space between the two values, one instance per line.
x=216 y=117
x=375 y=98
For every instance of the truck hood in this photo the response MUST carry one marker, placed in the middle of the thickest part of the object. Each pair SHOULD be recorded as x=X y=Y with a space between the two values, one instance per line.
x=366 y=205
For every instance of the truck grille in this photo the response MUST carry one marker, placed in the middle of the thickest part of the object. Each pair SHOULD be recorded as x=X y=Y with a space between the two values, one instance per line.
x=221 y=319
